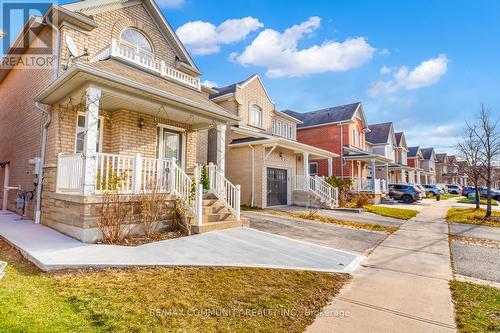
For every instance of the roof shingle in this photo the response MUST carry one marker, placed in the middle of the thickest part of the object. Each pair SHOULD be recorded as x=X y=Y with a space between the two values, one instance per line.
x=325 y=116
x=379 y=133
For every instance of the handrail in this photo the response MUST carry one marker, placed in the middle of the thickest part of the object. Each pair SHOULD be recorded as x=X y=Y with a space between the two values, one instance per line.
x=227 y=192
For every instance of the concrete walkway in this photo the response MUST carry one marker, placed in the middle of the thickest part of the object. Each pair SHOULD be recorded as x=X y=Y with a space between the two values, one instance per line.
x=237 y=247
x=402 y=286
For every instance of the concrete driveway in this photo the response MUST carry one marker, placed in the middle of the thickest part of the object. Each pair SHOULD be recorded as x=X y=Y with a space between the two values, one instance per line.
x=476 y=261
x=475 y=231
x=331 y=235
x=237 y=247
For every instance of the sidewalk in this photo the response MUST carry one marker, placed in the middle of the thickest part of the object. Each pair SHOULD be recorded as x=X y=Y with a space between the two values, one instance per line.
x=402 y=286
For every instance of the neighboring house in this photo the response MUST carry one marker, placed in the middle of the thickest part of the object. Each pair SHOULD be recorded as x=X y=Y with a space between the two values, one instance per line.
x=261 y=150
x=381 y=140
x=398 y=171
x=428 y=176
x=129 y=111
x=341 y=130
x=451 y=175
x=441 y=167
x=415 y=160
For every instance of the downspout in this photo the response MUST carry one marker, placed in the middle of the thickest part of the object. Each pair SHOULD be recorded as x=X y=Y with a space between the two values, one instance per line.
x=253 y=176
x=43 y=144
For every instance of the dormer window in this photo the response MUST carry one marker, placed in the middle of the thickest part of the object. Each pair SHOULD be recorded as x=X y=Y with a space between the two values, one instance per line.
x=137 y=40
x=256 y=116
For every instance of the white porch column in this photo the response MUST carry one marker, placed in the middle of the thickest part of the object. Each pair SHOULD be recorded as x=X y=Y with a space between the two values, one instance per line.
x=93 y=96
x=426 y=179
x=387 y=172
x=306 y=170
x=330 y=167
x=360 y=178
x=403 y=180
x=373 y=172
x=417 y=181
x=221 y=147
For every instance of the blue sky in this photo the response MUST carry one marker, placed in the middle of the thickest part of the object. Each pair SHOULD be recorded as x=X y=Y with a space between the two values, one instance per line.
x=424 y=65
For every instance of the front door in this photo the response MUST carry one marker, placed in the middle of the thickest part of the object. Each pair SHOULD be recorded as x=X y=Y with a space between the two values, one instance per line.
x=171 y=144
x=277 y=187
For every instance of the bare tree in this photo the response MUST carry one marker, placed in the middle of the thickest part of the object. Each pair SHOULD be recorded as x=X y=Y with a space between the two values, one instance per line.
x=487 y=133
x=469 y=148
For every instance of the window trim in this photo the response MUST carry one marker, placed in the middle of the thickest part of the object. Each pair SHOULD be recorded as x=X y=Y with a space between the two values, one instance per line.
x=101 y=132
x=317 y=168
x=253 y=108
x=152 y=52
x=181 y=131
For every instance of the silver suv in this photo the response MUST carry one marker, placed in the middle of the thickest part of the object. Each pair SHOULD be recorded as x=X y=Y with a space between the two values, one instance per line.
x=405 y=192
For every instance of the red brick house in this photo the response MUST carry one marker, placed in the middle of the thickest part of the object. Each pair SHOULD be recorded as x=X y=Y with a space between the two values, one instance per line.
x=341 y=130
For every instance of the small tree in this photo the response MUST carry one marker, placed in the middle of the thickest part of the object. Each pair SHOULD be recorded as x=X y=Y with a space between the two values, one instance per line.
x=343 y=188
x=487 y=133
x=468 y=149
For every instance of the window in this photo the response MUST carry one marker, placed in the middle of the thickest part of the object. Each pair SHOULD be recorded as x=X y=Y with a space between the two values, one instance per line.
x=290 y=133
x=172 y=144
x=255 y=116
x=356 y=137
x=279 y=128
x=313 y=168
x=136 y=39
x=285 y=130
x=80 y=133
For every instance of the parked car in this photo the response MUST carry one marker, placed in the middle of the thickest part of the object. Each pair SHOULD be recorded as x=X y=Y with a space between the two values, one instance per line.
x=433 y=189
x=467 y=189
x=405 y=192
x=495 y=194
x=454 y=189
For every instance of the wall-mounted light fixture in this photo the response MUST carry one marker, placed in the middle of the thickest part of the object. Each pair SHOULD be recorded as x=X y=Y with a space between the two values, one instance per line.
x=141 y=123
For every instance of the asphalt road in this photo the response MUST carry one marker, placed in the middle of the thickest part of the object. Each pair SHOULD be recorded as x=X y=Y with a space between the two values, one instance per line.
x=476 y=261
x=342 y=238
x=475 y=231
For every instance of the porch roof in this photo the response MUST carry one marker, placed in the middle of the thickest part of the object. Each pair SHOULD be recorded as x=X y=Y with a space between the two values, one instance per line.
x=125 y=80
x=363 y=155
x=297 y=147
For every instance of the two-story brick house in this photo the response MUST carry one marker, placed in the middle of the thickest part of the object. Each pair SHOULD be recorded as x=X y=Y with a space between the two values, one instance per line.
x=131 y=107
x=262 y=152
x=341 y=130
x=428 y=176
x=399 y=170
x=415 y=160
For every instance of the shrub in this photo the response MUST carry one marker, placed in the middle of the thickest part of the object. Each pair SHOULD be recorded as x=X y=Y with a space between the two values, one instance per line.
x=180 y=218
x=114 y=216
x=153 y=210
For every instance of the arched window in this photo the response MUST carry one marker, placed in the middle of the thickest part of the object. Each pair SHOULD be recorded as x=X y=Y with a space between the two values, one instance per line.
x=136 y=39
x=255 y=116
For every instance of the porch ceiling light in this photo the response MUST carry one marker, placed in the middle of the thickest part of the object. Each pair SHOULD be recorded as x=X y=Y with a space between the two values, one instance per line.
x=141 y=123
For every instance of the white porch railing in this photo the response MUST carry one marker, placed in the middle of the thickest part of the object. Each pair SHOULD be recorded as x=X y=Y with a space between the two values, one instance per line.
x=366 y=185
x=226 y=191
x=317 y=185
x=146 y=60
x=131 y=175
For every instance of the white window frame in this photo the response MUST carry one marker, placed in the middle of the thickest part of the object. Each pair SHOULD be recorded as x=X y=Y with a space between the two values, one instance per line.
x=254 y=108
x=356 y=136
x=101 y=132
x=128 y=44
x=182 y=132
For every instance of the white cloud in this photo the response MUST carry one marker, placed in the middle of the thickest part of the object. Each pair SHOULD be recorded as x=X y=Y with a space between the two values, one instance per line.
x=385 y=70
x=170 y=3
x=278 y=52
x=427 y=73
x=210 y=84
x=203 y=38
x=384 y=51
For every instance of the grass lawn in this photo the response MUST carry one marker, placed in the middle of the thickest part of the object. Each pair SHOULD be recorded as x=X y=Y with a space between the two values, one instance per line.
x=472 y=216
x=477 y=307
x=482 y=201
x=397 y=213
x=319 y=218
x=160 y=299
x=449 y=196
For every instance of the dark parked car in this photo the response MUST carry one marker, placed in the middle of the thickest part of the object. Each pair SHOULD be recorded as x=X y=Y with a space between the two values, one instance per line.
x=454 y=189
x=467 y=189
x=433 y=189
x=495 y=194
x=404 y=192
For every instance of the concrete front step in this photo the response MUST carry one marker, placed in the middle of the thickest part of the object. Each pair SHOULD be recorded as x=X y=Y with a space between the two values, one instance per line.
x=221 y=225
x=215 y=209
x=217 y=217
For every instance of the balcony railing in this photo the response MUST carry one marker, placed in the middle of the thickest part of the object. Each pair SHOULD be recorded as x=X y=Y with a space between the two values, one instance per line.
x=145 y=59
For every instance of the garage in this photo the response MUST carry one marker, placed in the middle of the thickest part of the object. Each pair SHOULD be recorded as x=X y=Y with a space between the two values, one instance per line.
x=277 y=187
